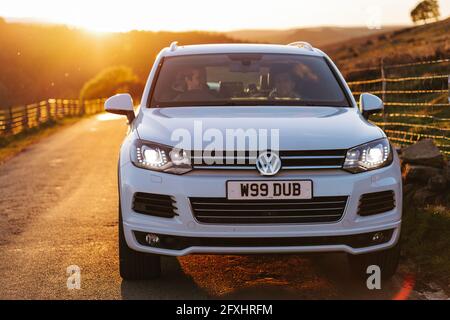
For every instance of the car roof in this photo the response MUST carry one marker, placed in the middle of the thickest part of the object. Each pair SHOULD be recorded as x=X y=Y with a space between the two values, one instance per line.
x=175 y=50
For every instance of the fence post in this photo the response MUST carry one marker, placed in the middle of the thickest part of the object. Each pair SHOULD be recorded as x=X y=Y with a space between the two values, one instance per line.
x=448 y=87
x=66 y=108
x=82 y=107
x=61 y=107
x=38 y=114
x=49 y=110
x=57 y=109
x=43 y=105
x=8 y=121
x=383 y=89
x=25 y=118
x=72 y=107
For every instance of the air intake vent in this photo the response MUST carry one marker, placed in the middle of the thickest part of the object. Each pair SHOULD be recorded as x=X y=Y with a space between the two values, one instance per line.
x=223 y=211
x=377 y=202
x=158 y=205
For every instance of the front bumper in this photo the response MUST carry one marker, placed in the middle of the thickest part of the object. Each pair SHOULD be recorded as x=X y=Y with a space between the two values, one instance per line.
x=213 y=184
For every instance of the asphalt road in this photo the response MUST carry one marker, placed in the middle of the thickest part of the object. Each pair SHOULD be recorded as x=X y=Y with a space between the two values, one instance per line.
x=58 y=207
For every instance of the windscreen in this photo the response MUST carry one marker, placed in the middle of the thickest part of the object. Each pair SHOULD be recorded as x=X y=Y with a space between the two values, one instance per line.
x=246 y=79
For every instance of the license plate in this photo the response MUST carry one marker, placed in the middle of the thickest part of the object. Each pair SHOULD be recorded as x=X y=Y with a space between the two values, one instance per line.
x=260 y=190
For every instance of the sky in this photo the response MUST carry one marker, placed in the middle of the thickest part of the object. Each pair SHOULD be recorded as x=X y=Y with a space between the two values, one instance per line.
x=214 y=15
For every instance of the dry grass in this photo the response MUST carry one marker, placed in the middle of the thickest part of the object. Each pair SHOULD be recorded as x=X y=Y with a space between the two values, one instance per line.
x=399 y=46
x=10 y=146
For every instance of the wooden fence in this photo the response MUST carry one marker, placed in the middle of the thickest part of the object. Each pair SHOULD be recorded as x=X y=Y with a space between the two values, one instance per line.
x=15 y=120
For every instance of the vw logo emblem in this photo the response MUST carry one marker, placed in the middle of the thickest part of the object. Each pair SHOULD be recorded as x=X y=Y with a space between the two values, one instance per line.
x=268 y=163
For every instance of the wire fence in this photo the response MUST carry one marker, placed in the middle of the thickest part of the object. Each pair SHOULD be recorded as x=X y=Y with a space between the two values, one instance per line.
x=416 y=97
x=15 y=120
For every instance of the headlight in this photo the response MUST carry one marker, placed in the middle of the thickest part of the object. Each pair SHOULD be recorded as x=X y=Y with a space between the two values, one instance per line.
x=157 y=157
x=369 y=156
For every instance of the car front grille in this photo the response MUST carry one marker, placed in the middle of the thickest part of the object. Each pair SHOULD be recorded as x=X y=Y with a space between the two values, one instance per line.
x=293 y=160
x=377 y=202
x=151 y=204
x=223 y=211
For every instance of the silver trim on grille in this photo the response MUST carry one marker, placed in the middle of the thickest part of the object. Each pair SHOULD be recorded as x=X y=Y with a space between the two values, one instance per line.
x=271 y=210
x=312 y=157
x=266 y=217
x=214 y=167
x=311 y=167
x=291 y=160
x=250 y=167
x=242 y=203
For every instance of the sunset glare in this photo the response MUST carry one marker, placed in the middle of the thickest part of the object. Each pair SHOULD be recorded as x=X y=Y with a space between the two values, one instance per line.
x=179 y=15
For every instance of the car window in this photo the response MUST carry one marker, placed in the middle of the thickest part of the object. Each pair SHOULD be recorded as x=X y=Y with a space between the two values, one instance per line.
x=246 y=79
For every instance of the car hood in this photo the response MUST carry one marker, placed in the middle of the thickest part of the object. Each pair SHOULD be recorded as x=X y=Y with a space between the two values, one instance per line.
x=300 y=128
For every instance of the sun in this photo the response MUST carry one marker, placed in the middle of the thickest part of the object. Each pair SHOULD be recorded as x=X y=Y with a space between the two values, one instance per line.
x=100 y=27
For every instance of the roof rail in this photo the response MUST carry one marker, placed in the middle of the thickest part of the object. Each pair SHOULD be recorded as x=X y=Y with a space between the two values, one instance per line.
x=302 y=44
x=174 y=46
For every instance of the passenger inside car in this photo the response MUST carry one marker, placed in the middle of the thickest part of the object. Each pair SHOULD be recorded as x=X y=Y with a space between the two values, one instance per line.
x=196 y=88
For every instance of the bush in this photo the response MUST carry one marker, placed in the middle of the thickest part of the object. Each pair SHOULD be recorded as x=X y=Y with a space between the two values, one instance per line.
x=110 y=81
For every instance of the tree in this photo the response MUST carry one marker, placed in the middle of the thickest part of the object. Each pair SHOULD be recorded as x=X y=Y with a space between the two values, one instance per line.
x=425 y=10
x=110 y=81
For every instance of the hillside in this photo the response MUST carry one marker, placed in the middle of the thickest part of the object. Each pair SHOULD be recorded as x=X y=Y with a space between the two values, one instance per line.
x=399 y=46
x=319 y=36
x=42 y=61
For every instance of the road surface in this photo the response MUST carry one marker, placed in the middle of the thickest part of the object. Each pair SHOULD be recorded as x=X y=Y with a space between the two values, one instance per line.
x=58 y=207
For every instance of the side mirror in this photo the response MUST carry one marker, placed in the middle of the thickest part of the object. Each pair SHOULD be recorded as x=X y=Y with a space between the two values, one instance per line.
x=121 y=103
x=369 y=103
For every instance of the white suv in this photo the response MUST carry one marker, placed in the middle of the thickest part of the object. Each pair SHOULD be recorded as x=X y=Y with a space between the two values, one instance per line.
x=250 y=149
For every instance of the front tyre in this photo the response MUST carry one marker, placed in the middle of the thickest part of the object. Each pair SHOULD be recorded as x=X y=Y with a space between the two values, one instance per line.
x=387 y=260
x=136 y=265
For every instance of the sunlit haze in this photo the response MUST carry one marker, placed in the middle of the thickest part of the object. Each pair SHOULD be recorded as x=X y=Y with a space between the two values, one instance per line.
x=180 y=15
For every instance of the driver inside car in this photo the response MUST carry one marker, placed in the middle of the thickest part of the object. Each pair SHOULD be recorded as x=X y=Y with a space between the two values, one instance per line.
x=195 y=85
x=284 y=86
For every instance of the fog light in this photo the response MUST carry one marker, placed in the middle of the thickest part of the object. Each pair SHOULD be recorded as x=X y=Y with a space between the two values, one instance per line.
x=378 y=237
x=152 y=239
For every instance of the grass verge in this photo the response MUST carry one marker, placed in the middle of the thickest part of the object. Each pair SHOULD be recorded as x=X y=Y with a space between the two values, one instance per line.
x=12 y=145
x=426 y=242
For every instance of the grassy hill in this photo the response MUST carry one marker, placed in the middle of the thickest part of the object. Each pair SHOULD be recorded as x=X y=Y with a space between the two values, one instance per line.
x=398 y=46
x=319 y=36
